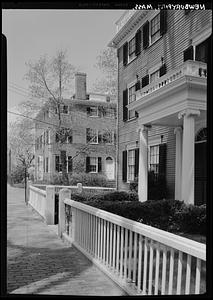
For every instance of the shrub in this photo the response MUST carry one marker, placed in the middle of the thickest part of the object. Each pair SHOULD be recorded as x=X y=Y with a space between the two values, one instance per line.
x=56 y=179
x=88 y=179
x=157 y=188
x=18 y=174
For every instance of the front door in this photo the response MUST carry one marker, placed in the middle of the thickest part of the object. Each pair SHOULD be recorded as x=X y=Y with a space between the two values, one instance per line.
x=110 y=168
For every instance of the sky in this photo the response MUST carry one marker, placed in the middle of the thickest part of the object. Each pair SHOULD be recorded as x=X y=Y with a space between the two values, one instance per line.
x=34 y=32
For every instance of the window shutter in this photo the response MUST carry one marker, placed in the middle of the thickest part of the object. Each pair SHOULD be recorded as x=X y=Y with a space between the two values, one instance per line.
x=99 y=108
x=145 y=80
x=188 y=54
x=99 y=165
x=87 y=164
x=124 y=165
x=163 y=22
x=69 y=164
x=146 y=35
x=138 y=42
x=136 y=162
x=125 y=102
x=136 y=114
x=63 y=159
x=162 y=159
x=57 y=163
x=125 y=53
x=162 y=70
x=137 y=85
x=44 y=164
x=88 y=111
x=100 y=137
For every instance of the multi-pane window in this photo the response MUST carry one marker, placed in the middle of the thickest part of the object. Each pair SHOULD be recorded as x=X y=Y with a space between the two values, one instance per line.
x=92 y=135
x=154 y=159
x=109 y=113
x=154 y=76
x=108 y=137
x=131 y=98
x=131 y=165
x=93 y=111
x=64 y=109
x=94 y=164
x=132 y=48
x=64 y=136
x=155 y=28
x=58 y=164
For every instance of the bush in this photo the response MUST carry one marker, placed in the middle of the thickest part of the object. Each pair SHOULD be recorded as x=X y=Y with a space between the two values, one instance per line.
x=88 y=179
x=56 y=179
x=18 y=174
x=157 y=188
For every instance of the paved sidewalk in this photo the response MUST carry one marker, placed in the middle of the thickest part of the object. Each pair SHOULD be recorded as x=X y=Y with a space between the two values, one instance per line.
x=38 y=262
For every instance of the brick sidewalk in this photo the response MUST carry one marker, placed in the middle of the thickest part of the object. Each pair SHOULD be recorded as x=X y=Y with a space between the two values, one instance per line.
x=38 y=262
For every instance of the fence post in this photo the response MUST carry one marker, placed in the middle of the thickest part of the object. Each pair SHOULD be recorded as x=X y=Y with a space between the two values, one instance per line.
x=50 y=205
x=80 y=187
x=63 y=194
x=29 y=182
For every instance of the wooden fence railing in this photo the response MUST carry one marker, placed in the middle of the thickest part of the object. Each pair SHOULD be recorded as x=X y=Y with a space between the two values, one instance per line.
x=142 y=259
x=37 y=199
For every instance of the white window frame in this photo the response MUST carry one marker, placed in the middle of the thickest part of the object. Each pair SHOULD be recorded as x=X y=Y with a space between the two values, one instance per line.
x=93 y=143
x=153 y=141
x=200 y=37
x=153 y=70
x=94 y=116
x=150 y=27
x=62 y=109
x=129 y=86
x=112 y=136
x=130 y=147
x=60 y=172
x=96 y=165
x=129 y=60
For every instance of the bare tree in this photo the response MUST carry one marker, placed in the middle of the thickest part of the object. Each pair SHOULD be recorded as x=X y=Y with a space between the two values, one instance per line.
x=50 y=80
x=107 y=64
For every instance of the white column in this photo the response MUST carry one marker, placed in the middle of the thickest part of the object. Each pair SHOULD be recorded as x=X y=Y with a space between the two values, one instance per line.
x=178 y=163
x=63 y=194
x=188 y=152
x=143 y=165
x=50 y=205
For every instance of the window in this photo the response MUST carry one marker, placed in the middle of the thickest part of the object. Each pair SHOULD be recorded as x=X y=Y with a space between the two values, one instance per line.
x=92 y=136
x=64 y=136
x=155 y=28
x=108 y=137
x=58 y=164
x=154 y=76
x=47 y=137
x=64 y=109
x=93 y=164
x=131 y=98
x=131 y=49
x=131 y=165
x=154 y=159
x=92 y=111
x=109 y=113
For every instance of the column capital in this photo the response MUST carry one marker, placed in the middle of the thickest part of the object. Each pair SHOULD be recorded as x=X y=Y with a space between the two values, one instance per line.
x=188 y=112
x=178 y=130
x=144 y=128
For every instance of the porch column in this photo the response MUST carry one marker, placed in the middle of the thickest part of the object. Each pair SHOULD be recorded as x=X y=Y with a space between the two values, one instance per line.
x=188 y=151
x=178 y=162
x=143 y=164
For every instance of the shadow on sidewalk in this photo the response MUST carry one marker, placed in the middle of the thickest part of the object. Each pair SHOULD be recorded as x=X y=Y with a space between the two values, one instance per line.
x=29 y=265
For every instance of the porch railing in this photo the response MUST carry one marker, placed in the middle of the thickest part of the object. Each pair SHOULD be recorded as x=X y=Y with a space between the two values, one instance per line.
x=37 y=199
x=140 y=258
x=190 y=68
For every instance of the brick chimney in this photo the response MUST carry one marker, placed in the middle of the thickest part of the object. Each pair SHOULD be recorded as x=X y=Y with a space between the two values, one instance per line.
x=80 y=86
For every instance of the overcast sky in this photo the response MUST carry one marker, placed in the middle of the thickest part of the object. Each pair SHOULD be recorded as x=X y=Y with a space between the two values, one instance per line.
x=31 y=33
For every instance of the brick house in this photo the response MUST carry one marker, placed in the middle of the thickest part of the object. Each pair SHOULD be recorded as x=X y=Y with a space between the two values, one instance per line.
x=162 y=91
x=89 y=122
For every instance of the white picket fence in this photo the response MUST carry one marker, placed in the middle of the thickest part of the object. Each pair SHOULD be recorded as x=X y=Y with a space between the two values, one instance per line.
x=142 y=259
x=37 y=199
